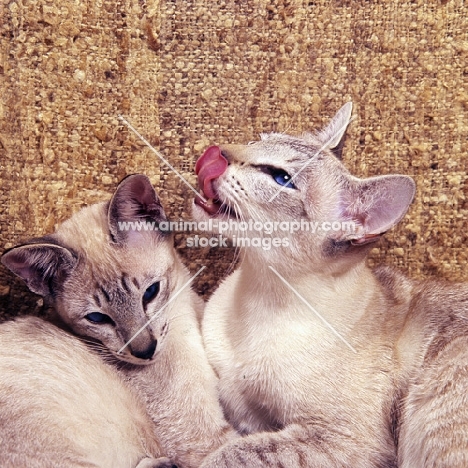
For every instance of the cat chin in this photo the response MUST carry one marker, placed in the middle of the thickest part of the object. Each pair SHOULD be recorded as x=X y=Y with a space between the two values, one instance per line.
x=129 y=359
x=216 y=209
x=211 y=207
x=199 y=212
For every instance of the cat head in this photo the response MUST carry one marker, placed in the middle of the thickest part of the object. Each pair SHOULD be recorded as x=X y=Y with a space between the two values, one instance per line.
x=106 y=275
x=317 y=214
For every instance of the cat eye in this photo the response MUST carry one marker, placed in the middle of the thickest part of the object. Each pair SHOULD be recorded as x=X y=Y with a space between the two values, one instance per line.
x=282 y=178
x=151 y=292
x=97 y=317
x=279 y=176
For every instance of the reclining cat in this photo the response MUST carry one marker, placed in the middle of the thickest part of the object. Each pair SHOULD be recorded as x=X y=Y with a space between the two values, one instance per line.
x=60 y=405
x=126 y=290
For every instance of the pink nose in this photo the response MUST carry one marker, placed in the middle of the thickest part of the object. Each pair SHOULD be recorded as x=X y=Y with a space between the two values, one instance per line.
x=209 y=167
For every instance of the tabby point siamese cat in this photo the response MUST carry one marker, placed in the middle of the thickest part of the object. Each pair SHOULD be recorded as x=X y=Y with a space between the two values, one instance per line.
x=61 y=406
x=105 y=284
x=321 y=361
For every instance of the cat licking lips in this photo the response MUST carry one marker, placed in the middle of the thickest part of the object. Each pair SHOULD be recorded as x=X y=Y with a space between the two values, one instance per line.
x=208 y=168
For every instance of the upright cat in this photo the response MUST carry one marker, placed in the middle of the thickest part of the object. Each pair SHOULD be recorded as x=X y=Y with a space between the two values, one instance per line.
x=61 y=406
x=321 y=361
x=126 y=289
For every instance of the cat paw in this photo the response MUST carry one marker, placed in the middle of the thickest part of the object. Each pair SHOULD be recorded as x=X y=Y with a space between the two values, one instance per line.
x=161 y=462
x=254 y=452
x=230 y=456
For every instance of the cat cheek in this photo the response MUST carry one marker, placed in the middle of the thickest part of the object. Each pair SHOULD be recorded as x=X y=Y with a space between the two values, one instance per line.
x=313 y=207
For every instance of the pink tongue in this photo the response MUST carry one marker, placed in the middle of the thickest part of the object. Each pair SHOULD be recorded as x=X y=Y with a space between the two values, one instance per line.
x=210 y=166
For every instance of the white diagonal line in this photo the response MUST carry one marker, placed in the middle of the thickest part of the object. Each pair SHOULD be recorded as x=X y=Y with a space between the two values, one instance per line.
x=161 y=309
x=312 y=309
x=160 y=156
x=311 y=159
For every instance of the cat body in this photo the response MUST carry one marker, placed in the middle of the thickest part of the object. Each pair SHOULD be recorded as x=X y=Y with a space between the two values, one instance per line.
x=321 y=361
x=60 y=405
x=433 y=351
x=127 y=290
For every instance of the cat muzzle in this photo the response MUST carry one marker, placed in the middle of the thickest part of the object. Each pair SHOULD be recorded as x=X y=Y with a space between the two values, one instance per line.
x=147 y=353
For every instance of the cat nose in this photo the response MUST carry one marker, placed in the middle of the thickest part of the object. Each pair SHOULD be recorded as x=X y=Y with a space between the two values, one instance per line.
x=146 y=353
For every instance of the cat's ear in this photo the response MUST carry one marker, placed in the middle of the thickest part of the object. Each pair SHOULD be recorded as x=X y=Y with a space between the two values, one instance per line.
x=376 y=205
x=40 y=264
x=134 y=203
x=334 y=134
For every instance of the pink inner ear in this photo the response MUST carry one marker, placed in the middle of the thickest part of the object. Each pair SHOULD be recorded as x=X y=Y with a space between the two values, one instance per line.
x=135 y=197
x=37 y=263
x=366 y=239
x=25 y=261
x=135 y=200
x=379 y=203
x=21 y=268
x=142 y=191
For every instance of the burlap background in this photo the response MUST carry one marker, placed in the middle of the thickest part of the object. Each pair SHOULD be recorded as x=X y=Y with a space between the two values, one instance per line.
x=188 y=74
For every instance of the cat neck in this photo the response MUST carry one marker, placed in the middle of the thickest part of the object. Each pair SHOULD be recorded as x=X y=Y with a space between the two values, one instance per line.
x=344 y=296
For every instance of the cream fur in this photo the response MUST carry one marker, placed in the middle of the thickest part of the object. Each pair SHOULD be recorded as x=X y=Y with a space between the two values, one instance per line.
x=61 y=406
x=104 y=270
x=299 y=394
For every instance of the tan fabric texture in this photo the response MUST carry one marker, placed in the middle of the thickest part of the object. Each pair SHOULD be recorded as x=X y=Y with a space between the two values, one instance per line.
x=187 y=74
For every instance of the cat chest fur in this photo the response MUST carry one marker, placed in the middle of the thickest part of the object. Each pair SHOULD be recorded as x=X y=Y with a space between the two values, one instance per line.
x=273 y=366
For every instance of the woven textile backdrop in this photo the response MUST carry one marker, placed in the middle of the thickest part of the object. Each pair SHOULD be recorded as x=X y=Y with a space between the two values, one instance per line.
x=188 y=74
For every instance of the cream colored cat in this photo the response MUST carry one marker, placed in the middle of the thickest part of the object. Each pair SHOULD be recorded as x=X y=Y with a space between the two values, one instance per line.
x=321 y=361
x=105 y=283
x=61 y=406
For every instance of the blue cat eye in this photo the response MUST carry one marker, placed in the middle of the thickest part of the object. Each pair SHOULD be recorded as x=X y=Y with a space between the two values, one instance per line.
x=151 y=292
x=283 y=178
x=97 y=317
